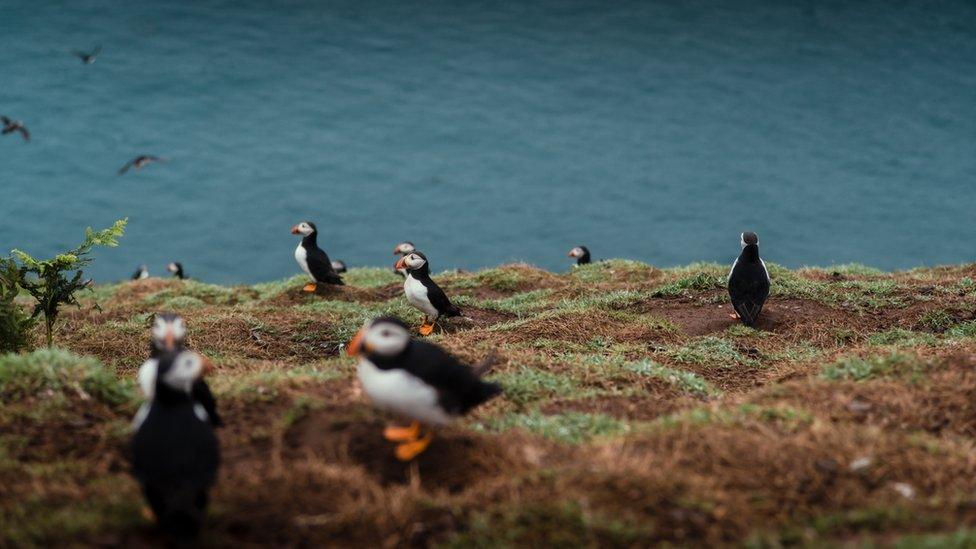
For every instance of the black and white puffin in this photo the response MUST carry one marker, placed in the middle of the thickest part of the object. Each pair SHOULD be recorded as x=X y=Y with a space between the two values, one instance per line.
x=141 y=273
x=581 y=253
x=416 y=380
x=140 y=162
x=423 y=293
x=401 y=250
x=11 y=126
x=86 y=57
x=339 y=266
x=177 y=269
x=312 y=259
x=749 y=281
x=168 y=335
x=175 y=454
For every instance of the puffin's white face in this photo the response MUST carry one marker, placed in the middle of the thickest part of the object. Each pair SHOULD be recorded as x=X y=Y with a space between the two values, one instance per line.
x=187 y=367
x=175 y=328
x=172 y=267
x=303 y=229
x=413 y=261
x=576 y=252
x=742 y=240
x=385 y=339
x=404 y=248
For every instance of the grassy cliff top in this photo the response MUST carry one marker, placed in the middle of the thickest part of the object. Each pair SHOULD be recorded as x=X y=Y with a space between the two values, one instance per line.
x=636 y=411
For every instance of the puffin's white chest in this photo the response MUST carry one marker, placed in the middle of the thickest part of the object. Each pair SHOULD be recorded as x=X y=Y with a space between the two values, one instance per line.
x=301 y=257
x=401 y=393
x=416 y=294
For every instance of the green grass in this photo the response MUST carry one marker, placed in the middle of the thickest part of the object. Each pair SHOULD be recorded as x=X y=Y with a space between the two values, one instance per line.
x=709 y=351
x=520 y=304
x=936 y=321
x=33 y=374
x=697 y=282
x=527 y=385
x=571 y=427
x=371 y=277
x=603 y=271
x=903 y=338
x=859 y=369
x=682 y=379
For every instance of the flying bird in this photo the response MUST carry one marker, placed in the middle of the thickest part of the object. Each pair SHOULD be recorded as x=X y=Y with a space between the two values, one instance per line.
x=11 y=126
x=88 y=58
x=140 y=162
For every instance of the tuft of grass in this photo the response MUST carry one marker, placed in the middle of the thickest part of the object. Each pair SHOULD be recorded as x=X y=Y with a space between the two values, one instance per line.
x=684 y=380
x=519 y=304
x=859 y=369
x=709 y=351
x=59 y=371
x=608 y=300
x=966 y=329
x=571 y=427
x=205 y=293
x=370 y=277
x=962 y=538
x=937 y=320
x=268 y=290
x=527 y=385
x=501 y=279
x=697 y=282
x=854 y=269
x=902 y=337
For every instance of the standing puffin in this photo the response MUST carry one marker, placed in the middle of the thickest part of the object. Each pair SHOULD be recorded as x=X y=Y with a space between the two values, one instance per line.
x=312 y=259
x=581 y=253
x=141 y=273
x=175 y=454
x=423 y=293
x=177 y=269
x=416 y=380
x=401 y=250
x=168 y=335
x=749 y=281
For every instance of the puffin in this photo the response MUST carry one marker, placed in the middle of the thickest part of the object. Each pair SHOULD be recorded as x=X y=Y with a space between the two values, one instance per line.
x=141 y=273
x=140 y=162
x=416 y=380
x=423 y=293
x=177 y=269
x=401 y=250
x=312 y=259
x=748 y=281
x=581 y=253
x=339 y=266
x=11 y=126
x=174 y=452
x=168 y=335
x=88 y=58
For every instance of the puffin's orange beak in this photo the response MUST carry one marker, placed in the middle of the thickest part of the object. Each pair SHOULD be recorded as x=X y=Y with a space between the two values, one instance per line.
x=170 y=340
x=570 y=254
x=401 y=264
x=354 y=348
x=294 y=230
x=208 y=367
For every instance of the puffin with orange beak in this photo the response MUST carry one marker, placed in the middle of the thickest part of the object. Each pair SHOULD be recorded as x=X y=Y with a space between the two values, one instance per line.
x=169 y=336
x=312 y=259
x=416 y=380
x=581 y=254
x=423 y=293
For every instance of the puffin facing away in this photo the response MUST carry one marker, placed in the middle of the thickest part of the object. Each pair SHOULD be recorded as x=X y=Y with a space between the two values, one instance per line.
x=401 y=250
x=312 y=259
x=11 y=126
x=175 y=454
x=140 y=162
x=141 y=273
x=416 y=380
x=177 y=269
x=749 y=281
x=168 y=335
x=581 y=253
x=423 y=293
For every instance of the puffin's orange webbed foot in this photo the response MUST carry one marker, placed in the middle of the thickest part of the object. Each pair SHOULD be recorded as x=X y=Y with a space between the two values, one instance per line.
x=147 y=513
x=410 y=450
x=402 y=434
x=310 y=287
x=427 y=329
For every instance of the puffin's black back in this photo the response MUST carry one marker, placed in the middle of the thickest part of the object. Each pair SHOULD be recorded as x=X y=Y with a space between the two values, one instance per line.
x=458 y=388
x=318 y=261
x=749 y=285
x=175 y=456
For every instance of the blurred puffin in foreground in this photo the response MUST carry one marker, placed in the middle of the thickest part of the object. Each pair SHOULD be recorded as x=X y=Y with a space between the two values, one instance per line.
x=169 y=336
x=401 y=250
x=177 y=269
x=416 y=380
x=748 y=281
x=312 y=259
x=581 y=253
x=141 y=273
x=175 y=454
x=423 y=293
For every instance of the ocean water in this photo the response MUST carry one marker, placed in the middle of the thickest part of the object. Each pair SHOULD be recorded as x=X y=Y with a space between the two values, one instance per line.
x=489 y=132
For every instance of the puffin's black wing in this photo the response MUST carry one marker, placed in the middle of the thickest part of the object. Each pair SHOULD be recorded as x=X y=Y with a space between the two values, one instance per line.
x=23 y=131
x=458 y=387
x=321 y=267
x=439 y=300
x=201 y=393
x=748 y=288
x=126 y=167
x=175 y=458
